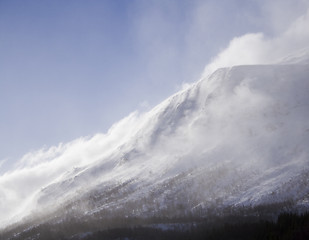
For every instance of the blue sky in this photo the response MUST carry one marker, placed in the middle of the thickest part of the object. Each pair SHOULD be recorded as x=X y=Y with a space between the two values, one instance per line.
x=73 y=68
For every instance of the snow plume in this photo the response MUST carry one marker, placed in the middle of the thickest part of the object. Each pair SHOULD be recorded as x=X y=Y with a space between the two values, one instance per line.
x=258 y=48
x=19 y=187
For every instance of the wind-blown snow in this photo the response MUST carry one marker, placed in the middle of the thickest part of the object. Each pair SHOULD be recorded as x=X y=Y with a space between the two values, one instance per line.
x=245 y=117
x=242 y=131
x=258 y=48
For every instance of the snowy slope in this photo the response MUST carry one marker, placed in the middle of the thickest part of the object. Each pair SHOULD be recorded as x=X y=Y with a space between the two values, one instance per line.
x=242 y=134
x=236 y=138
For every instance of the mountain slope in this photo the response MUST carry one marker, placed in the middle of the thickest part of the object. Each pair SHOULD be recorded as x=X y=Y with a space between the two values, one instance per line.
x=238 y=137
x=243 y=132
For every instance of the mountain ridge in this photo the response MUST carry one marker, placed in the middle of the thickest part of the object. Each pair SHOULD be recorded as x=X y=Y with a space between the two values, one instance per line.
x=166 y=116
x=236 y=138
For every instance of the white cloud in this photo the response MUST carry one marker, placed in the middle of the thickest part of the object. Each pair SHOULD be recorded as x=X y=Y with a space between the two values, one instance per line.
x=32 y=159
x=257 y=48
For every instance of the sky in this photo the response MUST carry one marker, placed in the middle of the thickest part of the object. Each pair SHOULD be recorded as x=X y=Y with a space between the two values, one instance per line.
x=72 y=68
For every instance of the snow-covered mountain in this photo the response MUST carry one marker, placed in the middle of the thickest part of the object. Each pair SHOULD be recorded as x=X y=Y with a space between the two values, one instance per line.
x=236 y=138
